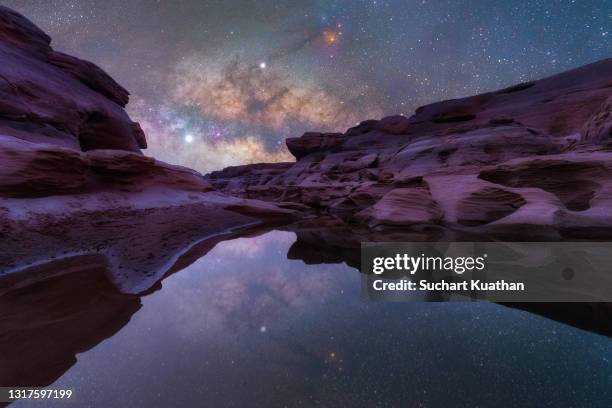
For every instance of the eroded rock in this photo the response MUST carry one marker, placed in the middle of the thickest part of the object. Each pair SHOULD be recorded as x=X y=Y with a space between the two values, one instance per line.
x=50 y=97
x=527 y=159
x=403 y=207
x=598 y=129
x=312 y=142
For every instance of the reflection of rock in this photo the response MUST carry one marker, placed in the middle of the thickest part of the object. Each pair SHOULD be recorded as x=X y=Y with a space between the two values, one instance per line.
x=328 y=240
x=527 y=159
x=338 y=242
x=53 y=313
x=594 y=317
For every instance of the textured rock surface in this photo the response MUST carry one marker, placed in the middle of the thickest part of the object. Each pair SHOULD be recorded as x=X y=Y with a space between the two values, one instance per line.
x=74 y=182
x=50 y=97
x=532 y=157
x=404 y=207
x=598 y=129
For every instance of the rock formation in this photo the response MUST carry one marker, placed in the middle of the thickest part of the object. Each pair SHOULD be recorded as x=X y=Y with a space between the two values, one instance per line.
x=73 y=181
x=533 y=157
x=49 y=97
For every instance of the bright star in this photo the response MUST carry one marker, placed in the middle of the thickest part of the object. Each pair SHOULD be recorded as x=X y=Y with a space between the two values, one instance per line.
x=189 y=138
x=262 y=65
x=330 y=37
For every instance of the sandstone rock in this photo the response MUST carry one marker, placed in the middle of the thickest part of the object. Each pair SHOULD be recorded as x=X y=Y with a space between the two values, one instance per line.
x=480 y=146
x=38 y=170
x=358 y=164
x=363 y=127
x=19 y=32
x=574 y=179
x=395 y=125
x=237 y=178
x=115 y=167
x=403 y=207
x=30 y=169
x=598 y=129
x=312 y=142
x=558 y=105
x=53 y=108
x=139 y=135
x=487 y=205
x=91 y=75
x=50 y=97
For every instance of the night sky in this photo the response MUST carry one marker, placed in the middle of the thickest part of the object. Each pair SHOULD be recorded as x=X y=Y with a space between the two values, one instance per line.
x=216 y=83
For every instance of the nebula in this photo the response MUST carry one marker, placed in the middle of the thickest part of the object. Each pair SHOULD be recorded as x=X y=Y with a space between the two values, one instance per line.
x=222 y=114
x=256 y=96
x=205 y=155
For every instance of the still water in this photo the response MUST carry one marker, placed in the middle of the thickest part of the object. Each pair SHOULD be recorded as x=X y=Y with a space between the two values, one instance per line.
x=245 y=326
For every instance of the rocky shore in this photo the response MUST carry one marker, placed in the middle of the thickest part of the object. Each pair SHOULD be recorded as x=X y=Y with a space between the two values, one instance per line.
x=532 y=160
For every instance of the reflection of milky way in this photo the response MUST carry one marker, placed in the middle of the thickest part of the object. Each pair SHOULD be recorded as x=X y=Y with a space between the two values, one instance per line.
x=239 y=295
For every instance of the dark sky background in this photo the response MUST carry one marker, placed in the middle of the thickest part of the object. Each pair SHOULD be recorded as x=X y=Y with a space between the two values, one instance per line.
x=216 y=83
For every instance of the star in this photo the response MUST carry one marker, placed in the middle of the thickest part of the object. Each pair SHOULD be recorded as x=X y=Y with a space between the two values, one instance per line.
x=330 y=37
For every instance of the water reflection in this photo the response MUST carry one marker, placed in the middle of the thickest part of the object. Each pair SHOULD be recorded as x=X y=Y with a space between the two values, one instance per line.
x=245 y=326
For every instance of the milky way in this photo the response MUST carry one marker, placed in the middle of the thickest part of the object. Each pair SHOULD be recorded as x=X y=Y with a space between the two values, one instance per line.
x=218 y=83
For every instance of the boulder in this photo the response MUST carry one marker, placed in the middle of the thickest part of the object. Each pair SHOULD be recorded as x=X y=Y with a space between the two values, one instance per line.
x=395 y=125
x=312 y=142
x=403 y=207
x=50 y=97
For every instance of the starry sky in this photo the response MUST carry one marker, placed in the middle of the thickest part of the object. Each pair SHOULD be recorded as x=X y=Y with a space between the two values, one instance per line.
x=218 y=83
